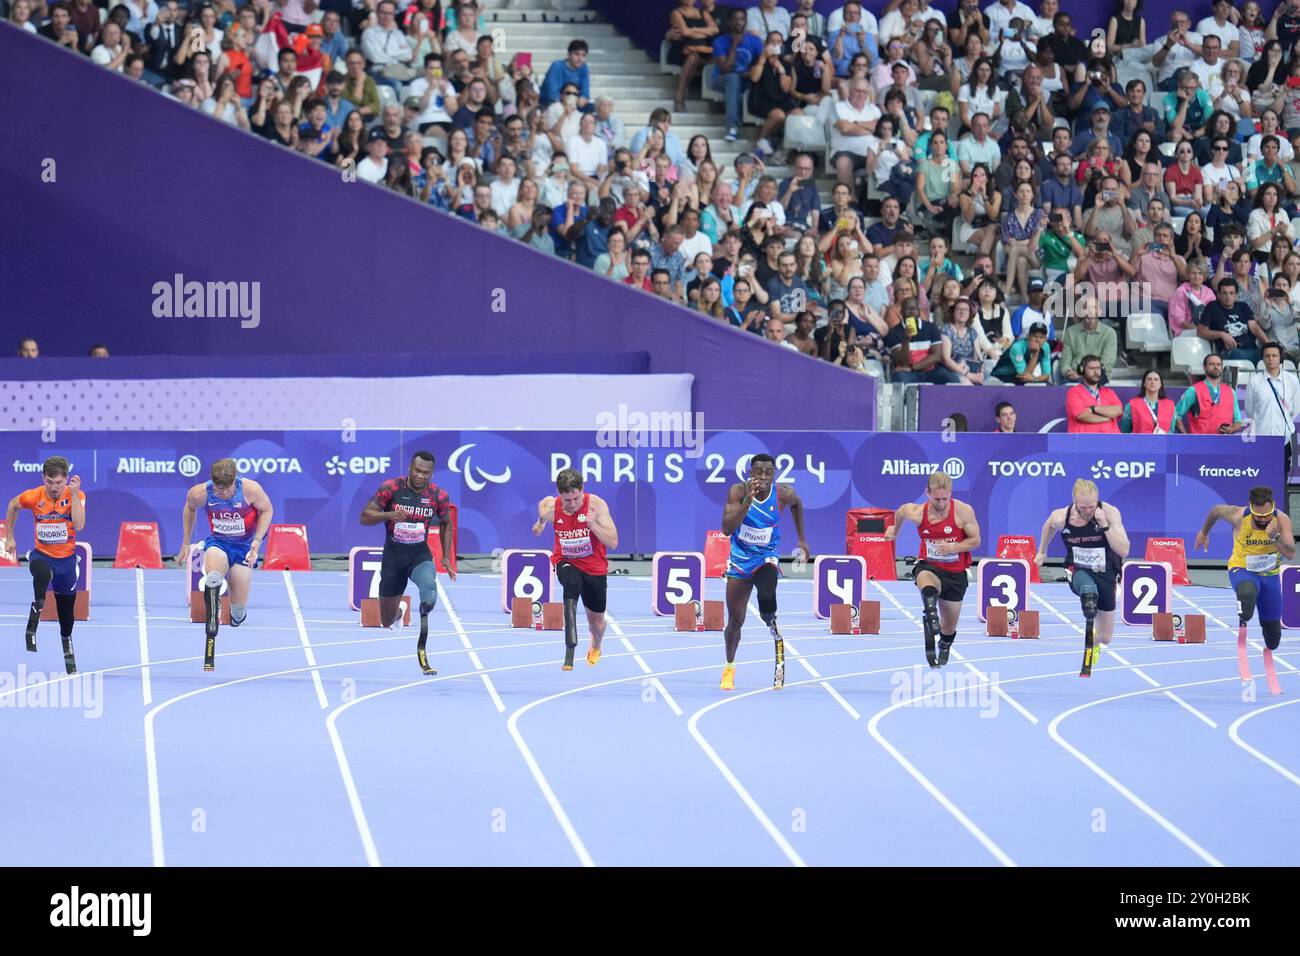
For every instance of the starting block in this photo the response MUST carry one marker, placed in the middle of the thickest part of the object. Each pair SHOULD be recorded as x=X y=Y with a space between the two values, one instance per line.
x=866 y=620
x=690 y=616
x=1006 y=622
x=552 y=616
x=370 y=611
x=1183 y=628
x=81 y=610
x=1025 y=625
x=199 y=613
x=522 y=611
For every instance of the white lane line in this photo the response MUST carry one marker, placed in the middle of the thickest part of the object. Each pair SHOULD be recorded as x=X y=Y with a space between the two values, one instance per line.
x=146 y=685
x=473 y=655
x=645 y=668
x=1233 y=734
x=1199 y=715
x=997 y=688
x=803 y=661
x=306 y=641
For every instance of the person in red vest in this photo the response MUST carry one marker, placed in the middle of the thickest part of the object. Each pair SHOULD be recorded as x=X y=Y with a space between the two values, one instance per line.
x=1149 y=413
x=1209 y=407
x=1089 y=405
x=584 y=531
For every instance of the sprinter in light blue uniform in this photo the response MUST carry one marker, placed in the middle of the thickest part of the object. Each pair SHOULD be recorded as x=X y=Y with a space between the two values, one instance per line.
x=752 y=517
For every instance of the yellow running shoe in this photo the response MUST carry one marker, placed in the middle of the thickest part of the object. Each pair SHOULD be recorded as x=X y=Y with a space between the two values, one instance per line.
x=593 y=656
x=729 y=677
x=1096 y=655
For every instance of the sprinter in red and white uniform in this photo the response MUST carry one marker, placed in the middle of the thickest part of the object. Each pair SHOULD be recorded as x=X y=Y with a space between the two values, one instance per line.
x=949 y=533
x=584 y=530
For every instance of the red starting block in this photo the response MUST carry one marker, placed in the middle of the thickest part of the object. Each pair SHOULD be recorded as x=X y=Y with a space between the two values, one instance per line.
x=864 y=619
x=712 y=617
x=997 y=621
x=552 y=616
x=199 y=613
x=1183 y=628
x=137 y=545
x=80 y=611
x=1026 y=625
x=286 y=548
x=521 y=612
x=370 y=612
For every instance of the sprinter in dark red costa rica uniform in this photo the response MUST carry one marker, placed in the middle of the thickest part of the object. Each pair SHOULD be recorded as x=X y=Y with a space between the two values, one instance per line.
x=407 y=507
x=949 y=533
x=583 y=530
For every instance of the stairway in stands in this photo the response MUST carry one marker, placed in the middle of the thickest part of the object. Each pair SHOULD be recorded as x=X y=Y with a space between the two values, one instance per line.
x=621 y=71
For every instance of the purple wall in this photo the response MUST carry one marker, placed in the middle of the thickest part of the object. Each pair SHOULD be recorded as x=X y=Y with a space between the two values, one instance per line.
x=145 y=188
x=646 y=20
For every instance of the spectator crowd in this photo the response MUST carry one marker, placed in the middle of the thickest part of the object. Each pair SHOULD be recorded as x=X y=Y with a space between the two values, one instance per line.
x=1001 y=191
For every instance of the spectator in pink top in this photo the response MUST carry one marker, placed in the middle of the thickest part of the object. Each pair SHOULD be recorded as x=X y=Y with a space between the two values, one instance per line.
x=1190 y=297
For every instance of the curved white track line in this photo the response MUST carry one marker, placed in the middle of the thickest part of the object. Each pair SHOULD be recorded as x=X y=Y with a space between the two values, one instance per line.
x=1267 y=760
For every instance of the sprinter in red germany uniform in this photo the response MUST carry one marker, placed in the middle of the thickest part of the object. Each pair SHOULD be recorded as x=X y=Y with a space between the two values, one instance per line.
x=949 y=533
x=583 y=530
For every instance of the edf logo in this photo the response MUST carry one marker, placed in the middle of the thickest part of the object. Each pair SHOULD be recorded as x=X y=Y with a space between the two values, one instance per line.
x=1124 y=469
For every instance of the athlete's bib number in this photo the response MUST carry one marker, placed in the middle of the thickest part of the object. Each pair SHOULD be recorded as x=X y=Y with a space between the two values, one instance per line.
x=229 y=524
x=408 y=532
x=1090 y=559
x=1261 y=563
x=576 y=547
x=751 y=535
x=52 y=532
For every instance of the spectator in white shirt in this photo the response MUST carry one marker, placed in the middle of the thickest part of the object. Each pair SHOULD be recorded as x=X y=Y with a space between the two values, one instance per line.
x=854 y=129
x=1273 y=400
x=1220 y=26
x=1001 y=14
x=385 y=46
x=505 y=188
x=587 y=153
x=836 y=21
x=436 y=94
x=766 y=17
x=374 y=167
x=113 y=48
x=1176 y=50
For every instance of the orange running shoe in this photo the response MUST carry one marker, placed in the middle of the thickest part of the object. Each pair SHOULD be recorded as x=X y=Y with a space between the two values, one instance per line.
x=593 y=656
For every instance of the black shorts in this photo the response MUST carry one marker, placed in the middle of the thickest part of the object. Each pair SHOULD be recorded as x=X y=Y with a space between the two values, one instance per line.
x=952 y=584
x=1106 y=585
x=579 y=584
x=396 y=567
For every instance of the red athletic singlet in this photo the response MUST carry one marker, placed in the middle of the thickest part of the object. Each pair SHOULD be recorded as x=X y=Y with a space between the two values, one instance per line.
x=945 y=530
x=574 y=541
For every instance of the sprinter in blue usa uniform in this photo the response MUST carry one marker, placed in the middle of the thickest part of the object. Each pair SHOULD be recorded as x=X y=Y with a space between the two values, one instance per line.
x=752 y=517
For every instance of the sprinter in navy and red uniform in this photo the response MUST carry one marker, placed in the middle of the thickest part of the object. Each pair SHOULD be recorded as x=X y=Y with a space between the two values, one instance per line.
x=239 y=516
x=407 y=506
x=949 y=533
x=583 y=530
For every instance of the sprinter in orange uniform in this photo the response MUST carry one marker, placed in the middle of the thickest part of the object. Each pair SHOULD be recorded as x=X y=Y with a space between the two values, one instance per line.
x=59 y=508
